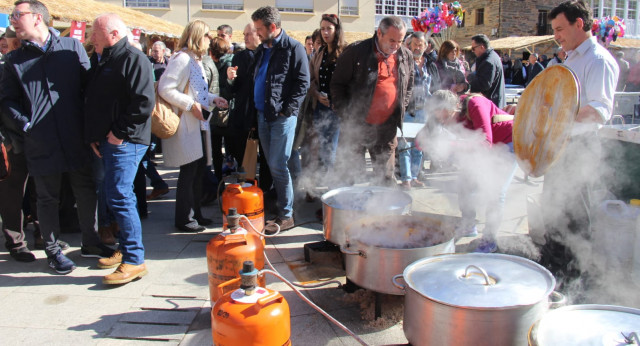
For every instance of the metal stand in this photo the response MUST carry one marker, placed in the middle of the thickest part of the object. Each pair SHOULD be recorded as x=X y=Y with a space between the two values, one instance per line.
x=321 y=246
x=351 y=287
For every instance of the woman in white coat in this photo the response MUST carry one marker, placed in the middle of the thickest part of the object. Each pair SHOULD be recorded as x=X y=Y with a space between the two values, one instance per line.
x=186 y=149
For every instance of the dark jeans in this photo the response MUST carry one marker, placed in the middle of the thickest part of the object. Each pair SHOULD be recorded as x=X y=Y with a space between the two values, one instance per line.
x=149 y=168
x=121 y=164
x=140 y=189
x=189 y=192
x=217 y=135
x=12 y=191
x=48 y=190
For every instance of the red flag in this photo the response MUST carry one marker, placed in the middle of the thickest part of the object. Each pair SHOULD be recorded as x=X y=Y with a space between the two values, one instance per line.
x=77 y=30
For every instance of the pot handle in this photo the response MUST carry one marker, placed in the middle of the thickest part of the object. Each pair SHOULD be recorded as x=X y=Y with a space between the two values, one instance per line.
x=395 y=282
x=482 y=271
x=557 y=300
x=346 y=251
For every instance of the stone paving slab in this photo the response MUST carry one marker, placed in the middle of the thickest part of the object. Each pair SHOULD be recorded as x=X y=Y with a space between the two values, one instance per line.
x=160 y=317
x=148 y=331
x=160 y=302
x=46 y=337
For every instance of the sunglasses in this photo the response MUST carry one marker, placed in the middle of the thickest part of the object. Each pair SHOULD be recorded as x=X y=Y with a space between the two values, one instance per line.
x=16 y=15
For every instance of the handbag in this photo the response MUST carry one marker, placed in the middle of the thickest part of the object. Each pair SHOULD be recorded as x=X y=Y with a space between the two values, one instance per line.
x=250 y=158
x=220 y=117
x=5 y=166
x=164 y=121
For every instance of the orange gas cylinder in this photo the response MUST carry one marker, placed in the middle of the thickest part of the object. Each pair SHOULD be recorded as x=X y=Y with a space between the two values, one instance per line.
x=228 y=250
x=248 y=199
x=250 y=315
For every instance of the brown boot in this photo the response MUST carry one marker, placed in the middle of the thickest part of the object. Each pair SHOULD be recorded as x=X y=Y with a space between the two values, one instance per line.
x=125 y=273
x=111 y=262
x=108 y=235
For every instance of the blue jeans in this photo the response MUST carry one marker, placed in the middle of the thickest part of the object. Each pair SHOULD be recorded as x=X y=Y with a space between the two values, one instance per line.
x=409 y=160
x=120 y=167
x=470 y=182
x=327 y=125
x=277 y=140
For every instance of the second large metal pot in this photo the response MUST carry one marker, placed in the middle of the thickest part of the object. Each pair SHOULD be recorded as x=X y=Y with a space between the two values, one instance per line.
x=385 y=245
x=474 y=299
x=343 y=206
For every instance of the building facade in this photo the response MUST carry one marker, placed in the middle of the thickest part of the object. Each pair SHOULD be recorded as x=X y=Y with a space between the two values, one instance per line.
x=299 y=15
x=504 y=18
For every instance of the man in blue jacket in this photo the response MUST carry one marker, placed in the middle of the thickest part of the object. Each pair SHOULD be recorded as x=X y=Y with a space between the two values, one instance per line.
x=42 y=94
x=281 y=80
x=119 y=99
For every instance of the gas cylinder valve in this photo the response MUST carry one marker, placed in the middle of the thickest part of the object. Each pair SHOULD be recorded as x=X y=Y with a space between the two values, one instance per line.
x=233 y=220
x=248 y=278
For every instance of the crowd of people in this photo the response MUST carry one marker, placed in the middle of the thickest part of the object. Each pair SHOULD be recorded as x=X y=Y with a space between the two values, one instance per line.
x=317 y=107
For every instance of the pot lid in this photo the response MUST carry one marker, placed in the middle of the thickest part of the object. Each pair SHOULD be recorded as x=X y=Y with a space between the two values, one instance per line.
x=483 y=281
x=587 y=325
x=544 y=118
x=367 y=198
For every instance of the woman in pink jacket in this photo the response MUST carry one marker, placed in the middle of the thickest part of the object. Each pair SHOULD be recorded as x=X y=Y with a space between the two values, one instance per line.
x=480 y=143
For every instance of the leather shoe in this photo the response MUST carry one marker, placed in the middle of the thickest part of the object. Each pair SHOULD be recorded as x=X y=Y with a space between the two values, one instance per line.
x=285 y=224
x=157 y=193
x=203 y=221
x=191 y=227
x=108 y=234
x=417 y=183
x=125 y=273
x=22 y=255
x=405 y=185
x=110 y=262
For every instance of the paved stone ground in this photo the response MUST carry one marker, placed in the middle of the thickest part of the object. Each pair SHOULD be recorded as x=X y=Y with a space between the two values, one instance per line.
x=172 y=305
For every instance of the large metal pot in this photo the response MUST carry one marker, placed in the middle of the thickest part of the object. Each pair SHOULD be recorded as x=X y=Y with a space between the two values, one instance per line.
x=473 y=299
x=373 y=257
x=587 y=325
x=342 y=206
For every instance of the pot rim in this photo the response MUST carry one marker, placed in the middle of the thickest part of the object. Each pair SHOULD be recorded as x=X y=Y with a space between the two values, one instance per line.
x=441 y=257
x=374 y=189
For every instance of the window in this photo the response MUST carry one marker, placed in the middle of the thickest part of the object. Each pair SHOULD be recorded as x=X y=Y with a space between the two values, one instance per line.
x=147 y=3
x=236 y=5
x=379 y=4
x=389 y=7
x=350 y=7
x=543 y=26
x=480 y=16
x=299 y=6
x=414 y=8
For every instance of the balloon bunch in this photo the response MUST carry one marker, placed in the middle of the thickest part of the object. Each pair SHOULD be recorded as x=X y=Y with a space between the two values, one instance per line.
x=608 y=29
x=438 y=18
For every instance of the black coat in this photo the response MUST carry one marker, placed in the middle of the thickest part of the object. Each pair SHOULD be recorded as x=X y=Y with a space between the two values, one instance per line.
x=242 y=113
x=489 y=78
x=119 y=96
x=533 y=71
x=287 y=77
x=45 y=90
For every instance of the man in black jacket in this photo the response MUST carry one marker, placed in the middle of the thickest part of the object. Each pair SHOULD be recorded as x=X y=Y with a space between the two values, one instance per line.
x=371 y=89
x=281 y=80
x=534 y=68
x=119 y=99
x=488 y=78
x=42 y=95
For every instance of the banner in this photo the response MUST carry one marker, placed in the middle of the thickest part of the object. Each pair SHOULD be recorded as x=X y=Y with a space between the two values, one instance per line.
x=136 y=35
x=77 y=30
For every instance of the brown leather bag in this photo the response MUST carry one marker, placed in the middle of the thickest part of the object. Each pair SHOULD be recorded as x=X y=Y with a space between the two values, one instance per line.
x=164 y=121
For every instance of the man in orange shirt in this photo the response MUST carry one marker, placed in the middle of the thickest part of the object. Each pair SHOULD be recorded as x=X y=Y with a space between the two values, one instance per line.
x=371 y=89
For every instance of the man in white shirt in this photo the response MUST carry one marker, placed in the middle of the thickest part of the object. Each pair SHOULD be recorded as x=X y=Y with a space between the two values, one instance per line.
x=569 y=183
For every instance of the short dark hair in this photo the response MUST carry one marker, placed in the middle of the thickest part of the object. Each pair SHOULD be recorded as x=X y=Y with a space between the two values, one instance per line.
x=573 y=10
x=391 y=21
x=481 y=39
x=317 y=34
x=218 y=47
x=308 y=38
x=431 y=42
x=36 y=7
x=268 y=15
x=226 y=28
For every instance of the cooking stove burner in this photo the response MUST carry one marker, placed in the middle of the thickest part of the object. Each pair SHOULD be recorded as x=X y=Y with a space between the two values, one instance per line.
x=320 y=246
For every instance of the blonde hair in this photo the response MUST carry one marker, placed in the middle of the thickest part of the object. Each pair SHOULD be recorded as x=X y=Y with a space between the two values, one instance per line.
x=193 y=37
